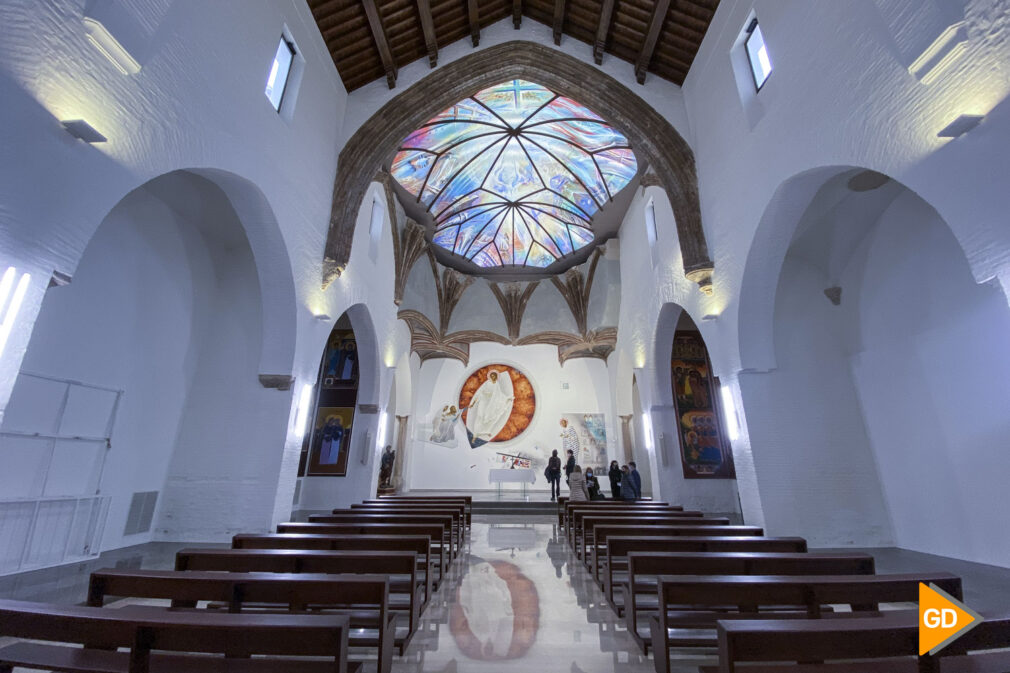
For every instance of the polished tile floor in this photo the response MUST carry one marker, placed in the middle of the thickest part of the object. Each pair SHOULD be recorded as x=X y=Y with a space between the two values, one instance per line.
x=517 y=600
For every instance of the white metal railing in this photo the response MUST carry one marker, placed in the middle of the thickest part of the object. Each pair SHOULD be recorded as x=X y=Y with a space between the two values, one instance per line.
x=43 y=532
x=54 y=441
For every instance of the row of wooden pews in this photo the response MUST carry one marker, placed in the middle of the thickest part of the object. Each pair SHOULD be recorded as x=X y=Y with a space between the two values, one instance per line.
x=321 y=596
x=684 y=580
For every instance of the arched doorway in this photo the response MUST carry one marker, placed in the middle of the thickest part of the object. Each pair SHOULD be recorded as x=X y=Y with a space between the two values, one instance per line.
x=164 y=312
x=345 y=423
x=886 y=356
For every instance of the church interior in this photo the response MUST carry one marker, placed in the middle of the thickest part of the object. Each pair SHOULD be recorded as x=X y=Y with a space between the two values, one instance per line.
x=438 y=336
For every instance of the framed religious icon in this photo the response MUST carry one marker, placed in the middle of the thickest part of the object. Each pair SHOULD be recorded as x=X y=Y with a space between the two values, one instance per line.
x=331 y=441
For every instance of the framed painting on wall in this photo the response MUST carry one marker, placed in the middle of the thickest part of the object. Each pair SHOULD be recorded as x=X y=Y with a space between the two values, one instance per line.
x=705 y=450
x=331 y=441
x=586 y=435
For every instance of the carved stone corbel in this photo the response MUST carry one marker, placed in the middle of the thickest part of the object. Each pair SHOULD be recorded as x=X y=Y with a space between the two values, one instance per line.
x=513 y=298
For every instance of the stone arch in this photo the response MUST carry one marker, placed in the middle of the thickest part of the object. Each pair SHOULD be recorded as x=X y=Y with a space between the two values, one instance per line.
x=666 y=327
x=656 y=142
x=771 y=241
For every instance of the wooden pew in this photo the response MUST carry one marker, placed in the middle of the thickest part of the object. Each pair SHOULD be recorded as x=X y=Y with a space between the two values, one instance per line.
x=363 y=598
x=319 y=540
x=885 y=644
x=182 y=640
x=458 y=510
x=565 y=513
x=446 y=538
x=710 y=595
x=433 y=531
x=675 y=526
x=458 y=528
x=644 y=568
x=294 y=560
x=576 y=516
x=467 y=500
x=619 y=546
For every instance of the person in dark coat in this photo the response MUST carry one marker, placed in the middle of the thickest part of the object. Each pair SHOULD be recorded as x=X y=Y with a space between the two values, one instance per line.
x=554 y=474
x=615 y=480
x=636 y=480
x=592 y=485
x=627 y=485
x=569 y=466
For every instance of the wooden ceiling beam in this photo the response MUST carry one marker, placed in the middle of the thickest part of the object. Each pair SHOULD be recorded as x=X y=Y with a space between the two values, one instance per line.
x=473 y=13
x=379 y=35
x=651 y=37
x=559 y=20
x=606 y=12
x=428 y=27
x=517 y=13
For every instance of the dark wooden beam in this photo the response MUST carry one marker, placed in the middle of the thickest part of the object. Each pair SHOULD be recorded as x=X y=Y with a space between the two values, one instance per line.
x=651 y=37
x=517 y=13
x=559 y=20
x=606 y=11
x=379 y=35
x=473 y=11
x=428 y=26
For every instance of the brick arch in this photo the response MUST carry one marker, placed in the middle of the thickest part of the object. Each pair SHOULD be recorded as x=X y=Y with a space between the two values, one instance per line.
x=655 y=141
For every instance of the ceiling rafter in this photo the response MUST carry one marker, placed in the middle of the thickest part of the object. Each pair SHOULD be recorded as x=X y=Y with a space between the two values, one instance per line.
x=473 y=15
x=381 y=43
x=660 y=37
x=559 y=20
x=606 y=12
x=428 y=27
x=651 y=37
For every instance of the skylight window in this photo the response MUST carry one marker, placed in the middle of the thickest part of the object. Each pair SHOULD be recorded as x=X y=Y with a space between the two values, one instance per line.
x=513 y=175
x=278 y=80
x=757 y=54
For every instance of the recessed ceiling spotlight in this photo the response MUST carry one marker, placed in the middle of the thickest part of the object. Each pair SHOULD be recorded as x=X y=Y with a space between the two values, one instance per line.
x=866 y=181
x=960 y=126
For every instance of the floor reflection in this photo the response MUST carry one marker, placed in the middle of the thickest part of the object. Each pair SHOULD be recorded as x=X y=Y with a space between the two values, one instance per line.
x=520 y=598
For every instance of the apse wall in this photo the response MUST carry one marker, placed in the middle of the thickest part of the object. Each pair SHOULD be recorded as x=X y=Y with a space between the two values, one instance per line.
x=435 y=466
x=932 y=371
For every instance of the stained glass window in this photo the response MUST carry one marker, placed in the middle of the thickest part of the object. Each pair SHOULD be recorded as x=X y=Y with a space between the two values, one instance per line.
x=514 y=174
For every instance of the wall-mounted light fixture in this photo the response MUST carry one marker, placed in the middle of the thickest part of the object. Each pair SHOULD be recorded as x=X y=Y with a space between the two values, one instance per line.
x=322 y=317
x=729 y=406
x=11 y=309
x=960 y=126
x=302 y=413
x=82 y=130
x=109 y=47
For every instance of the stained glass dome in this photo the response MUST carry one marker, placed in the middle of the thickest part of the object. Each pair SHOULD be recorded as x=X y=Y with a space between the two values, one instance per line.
x=514 y=174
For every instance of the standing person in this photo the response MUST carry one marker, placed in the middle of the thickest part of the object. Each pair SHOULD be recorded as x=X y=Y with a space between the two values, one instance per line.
x=554 y=474
x=636 y=480
x=592 y=485
x=627 y=486
x=569 y=466
x=577 y=491
x=615 y=480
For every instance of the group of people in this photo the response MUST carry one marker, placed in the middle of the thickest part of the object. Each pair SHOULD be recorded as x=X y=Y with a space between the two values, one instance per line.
x=625 y=481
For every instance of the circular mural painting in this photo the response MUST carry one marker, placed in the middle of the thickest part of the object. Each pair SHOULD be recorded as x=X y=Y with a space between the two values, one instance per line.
x=497 y=403
x=497 y=612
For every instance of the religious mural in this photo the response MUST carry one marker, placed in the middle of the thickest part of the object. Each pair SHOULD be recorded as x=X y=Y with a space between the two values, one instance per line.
x=586 y=436
x=496 y=404
x=705 y=450
x=513 y=461
x=340 y=361
x=331 y=440
x=496 y=614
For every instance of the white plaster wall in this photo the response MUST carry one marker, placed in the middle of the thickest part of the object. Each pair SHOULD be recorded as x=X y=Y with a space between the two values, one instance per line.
x=932 y=372
x=438 y=383
x=815 y=468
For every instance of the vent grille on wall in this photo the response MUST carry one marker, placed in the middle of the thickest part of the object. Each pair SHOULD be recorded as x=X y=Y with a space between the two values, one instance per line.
x=141 y=512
